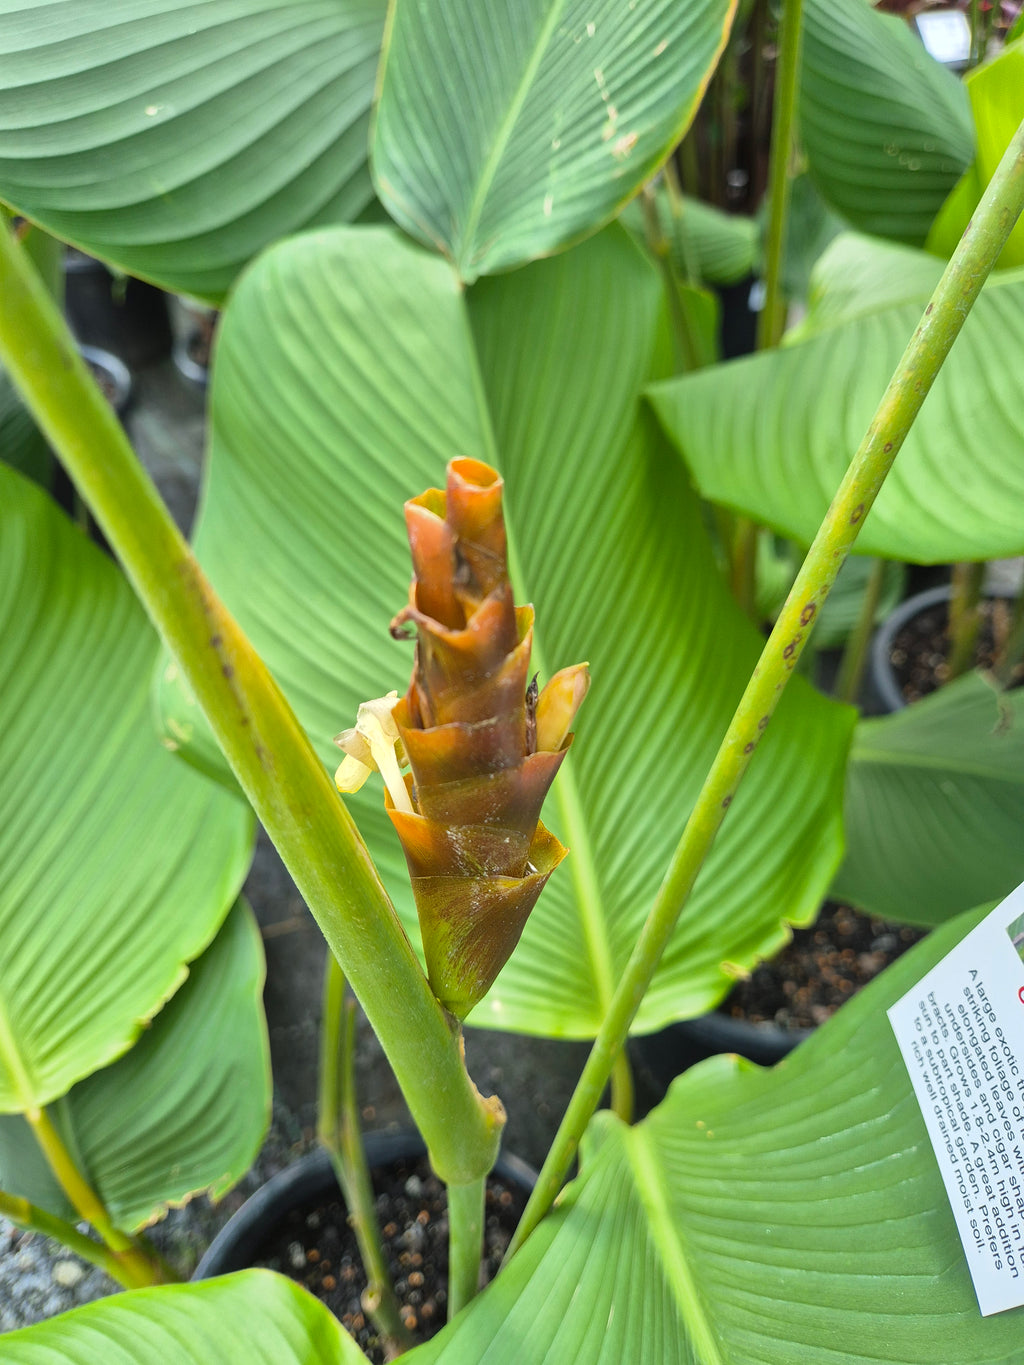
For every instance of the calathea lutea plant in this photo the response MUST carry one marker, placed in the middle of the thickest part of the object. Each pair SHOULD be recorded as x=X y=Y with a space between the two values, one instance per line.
x=353 y=366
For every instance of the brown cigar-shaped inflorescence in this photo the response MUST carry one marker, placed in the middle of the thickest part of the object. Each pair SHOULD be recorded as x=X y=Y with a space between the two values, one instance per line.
x=482 y=744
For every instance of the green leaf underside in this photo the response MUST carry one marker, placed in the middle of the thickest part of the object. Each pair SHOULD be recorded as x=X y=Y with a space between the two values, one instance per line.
x=346 y=373
x=178 y=140
x=772 y=435
x=254 y=1316
x=185 y=1110
x=886 y=128
x=756 y=1217
x=935 y=805
x=117 y=863
x=505 y=131
x=996 y=92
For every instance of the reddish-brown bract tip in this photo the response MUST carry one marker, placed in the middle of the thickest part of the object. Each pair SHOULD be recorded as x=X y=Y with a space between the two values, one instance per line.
x=483 y=753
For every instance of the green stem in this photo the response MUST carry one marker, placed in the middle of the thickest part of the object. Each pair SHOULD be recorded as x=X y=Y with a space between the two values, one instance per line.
x=338 y=1129
x=743 y=565
x=131 y=1264
x=758 y=99
x=964 y=617
x=976 y=52
x=466 y=1237
x=1012 y=650
x=266 y=746
x=34 y=1219
x=689 y=162
x=47 y=255
x=855 y=655
x=953 y=299
x=686 y=343
x=676 y=208
x=772 y=320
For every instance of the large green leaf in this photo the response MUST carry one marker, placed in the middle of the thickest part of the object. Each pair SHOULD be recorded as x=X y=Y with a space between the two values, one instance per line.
x=185 y=1110
x=255 y=1317
x=347 y=375
x=506 y=130
x=886 y=128
x=176 y=140
x=772 y=434
x=996 y=92
x=792 y=1216
x=935 y=805
x=117 y=863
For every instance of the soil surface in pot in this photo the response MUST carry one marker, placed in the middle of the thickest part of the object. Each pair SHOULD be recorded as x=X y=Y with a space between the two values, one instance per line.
x=919 y=649
x=820 y=969
x=316 y=1247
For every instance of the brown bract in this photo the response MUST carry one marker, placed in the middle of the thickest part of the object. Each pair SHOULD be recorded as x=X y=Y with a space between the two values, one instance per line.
x=482 y=744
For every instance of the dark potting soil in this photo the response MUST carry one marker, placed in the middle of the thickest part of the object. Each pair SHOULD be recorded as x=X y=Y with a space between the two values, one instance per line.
x=919 y=649
x=820 y=969
x=316 y=1247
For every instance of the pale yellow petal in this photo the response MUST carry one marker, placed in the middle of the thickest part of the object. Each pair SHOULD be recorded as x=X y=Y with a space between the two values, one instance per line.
x=557 y=706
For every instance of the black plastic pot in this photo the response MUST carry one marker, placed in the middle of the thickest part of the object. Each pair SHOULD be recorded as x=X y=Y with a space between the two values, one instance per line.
x=659 y=1057
x=883 y=676
x=125 y=317
x=308 y=1181
x=112 y=375
x=193 y=342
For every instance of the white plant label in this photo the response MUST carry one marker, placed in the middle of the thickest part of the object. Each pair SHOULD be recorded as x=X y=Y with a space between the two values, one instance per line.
x=961 y=1033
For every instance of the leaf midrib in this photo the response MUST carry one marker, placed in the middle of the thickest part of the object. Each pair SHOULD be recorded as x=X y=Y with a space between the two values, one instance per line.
x=935 y=762
x=504 y=136
x=655 y=1194
x=11 y=1059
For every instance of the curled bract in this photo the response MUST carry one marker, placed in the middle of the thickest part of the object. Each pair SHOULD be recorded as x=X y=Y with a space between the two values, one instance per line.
x=482 y=743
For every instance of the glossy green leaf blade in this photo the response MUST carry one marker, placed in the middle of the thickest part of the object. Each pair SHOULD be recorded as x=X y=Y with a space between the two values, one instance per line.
x=614 y=556
x=117 y=863
x=935 y=805
x=757 y=1217
x=178 y=140
x=347 y=374
x=185 y=1110
x=505 y=131
x=886 y=128
x=996 y=92
x=255 y=1316
x=771 y=435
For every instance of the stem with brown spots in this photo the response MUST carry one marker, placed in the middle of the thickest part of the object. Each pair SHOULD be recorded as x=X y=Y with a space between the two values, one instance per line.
x=954 y=296
x=270 y=753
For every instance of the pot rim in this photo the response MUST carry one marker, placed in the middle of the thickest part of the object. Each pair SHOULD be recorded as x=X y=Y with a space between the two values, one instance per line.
x=310 y=1176
x=881 y=668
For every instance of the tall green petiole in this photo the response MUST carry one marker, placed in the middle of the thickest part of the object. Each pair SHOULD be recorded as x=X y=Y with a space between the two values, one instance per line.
x=964 y=616
x=266 y=746
x=339 y=1131
x=33 y=1219
x=130 y=1262
x=771 y=321
x=943 y=318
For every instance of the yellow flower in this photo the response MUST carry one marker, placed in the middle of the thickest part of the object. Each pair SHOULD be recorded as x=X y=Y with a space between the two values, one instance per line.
x=374 y=745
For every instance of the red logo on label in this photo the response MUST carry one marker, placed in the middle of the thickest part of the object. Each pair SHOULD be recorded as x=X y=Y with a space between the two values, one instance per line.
x=1020 y=995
